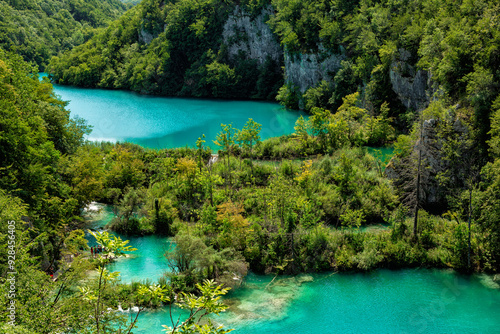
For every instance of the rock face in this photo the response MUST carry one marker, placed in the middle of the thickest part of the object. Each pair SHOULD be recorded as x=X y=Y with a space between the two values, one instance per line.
x=433 y=163
x=252 y=36
x=412 y=87
x=307 y=70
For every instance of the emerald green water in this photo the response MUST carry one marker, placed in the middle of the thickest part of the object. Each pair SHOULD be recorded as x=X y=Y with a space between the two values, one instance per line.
x=382 y=154
x=382 y=301
x=147 y=262
x=160 y=122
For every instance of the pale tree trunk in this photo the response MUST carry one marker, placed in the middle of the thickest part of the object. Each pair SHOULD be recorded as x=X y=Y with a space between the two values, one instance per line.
x=419 y=170
x=470 y=214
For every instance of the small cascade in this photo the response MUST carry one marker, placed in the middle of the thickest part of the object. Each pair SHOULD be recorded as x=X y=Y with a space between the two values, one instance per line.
x=93 y=207
x=213 y=159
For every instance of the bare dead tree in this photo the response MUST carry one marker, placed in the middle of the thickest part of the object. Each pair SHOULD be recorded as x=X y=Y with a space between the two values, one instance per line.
x=414 y=174
x=419 y=171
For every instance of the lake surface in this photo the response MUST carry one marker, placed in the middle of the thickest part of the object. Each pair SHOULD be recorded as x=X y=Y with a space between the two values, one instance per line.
x=382 y=301
x=162 y=122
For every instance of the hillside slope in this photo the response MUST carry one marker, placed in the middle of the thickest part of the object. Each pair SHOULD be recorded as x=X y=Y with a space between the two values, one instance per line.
x=174 y=48
x=387 y=50
x=38 y=30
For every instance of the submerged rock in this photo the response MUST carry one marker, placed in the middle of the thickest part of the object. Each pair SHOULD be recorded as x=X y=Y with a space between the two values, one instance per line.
x=267 y=302
x=489 y=281
x=305 y=279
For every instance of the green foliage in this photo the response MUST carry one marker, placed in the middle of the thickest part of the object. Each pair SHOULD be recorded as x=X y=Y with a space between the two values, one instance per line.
x=487 y=212
x=36 y=132
x=198 y=307
x=127 y=220
x=371 y=256
x=222 y=78
x=39 y=30
x=249 y=135
x=112 y=245
x=191 y=260
x=225 y=139
x=318 y=96
x=289 y=96
x=85 y=173
x=349 y=126
x=494 y=142
x=169 y=48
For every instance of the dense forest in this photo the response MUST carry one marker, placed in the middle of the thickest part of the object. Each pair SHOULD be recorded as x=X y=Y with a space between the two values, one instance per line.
x=38 y=30
x=187 y=48
x=421 y=76
x=169 y=48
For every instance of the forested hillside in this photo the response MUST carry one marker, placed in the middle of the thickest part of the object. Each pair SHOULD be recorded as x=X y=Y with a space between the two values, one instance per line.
x=400 y=57
x=38 y=30
x=240 y=212
x=399 y=52
x=169 y=48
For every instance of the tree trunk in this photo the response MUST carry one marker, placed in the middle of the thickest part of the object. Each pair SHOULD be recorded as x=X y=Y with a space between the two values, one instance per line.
x=417 y=200
x=419 y=169
x=470 y=214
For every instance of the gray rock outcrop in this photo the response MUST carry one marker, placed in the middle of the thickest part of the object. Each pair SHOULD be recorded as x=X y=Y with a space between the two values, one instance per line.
x=145 y=37
x=252 y=36
x=307 y=70
x=411 y=86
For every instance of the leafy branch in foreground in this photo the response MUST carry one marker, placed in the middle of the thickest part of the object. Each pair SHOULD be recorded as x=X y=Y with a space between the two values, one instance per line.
x=112 y=246
x=199 y=307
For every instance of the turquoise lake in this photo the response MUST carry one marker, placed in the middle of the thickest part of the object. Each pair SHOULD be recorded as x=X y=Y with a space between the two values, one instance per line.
x=162 y=122
x=382 y=301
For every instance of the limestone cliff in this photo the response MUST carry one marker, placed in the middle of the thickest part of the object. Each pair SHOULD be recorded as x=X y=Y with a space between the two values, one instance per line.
x=307 y=70
x=252 y=36
x=145 y=37
x=411 y=86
